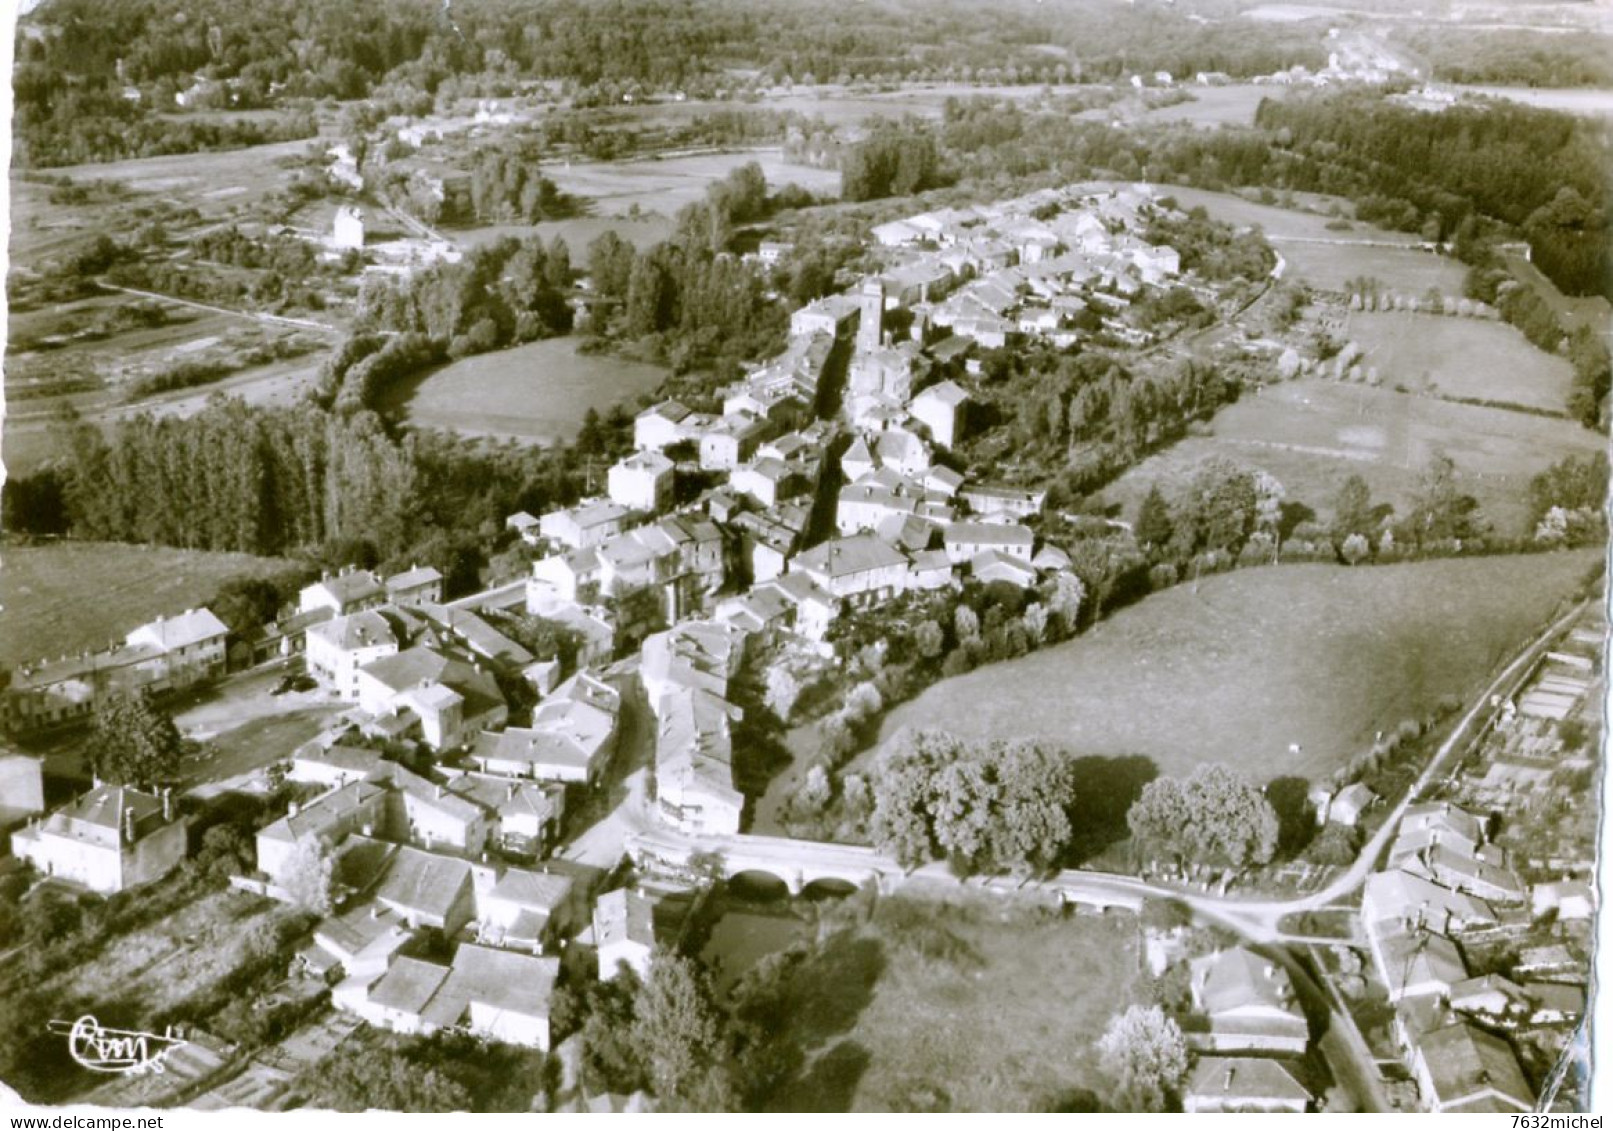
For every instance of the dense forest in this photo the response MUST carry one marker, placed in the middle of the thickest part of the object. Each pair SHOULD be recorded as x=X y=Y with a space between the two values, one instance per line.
x=76 y=59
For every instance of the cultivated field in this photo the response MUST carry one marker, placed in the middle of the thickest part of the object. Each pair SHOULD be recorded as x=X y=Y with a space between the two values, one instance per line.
x=70 y=596
x=1312 y=433
x=664 y=185
x=1460 y=357
x=537 y=392
x=1241 y=665
x=942 y=1009
x=1215 y=106
x=1326 y=257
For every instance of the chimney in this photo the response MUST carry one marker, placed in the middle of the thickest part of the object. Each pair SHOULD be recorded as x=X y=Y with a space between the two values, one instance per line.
x=293 y=809
x=439 y=791
x=509 y=792
x=375 y=911
x=368 y=830
x=128 y=825
x=167 y=804
x=1227 y=1084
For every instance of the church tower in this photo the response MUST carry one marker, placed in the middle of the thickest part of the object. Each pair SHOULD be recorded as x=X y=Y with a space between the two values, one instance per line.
x=871 y=319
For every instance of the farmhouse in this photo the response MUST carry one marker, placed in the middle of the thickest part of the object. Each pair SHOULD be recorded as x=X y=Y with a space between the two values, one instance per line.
x=862 y=567
x=642 y=481
x=496 y=994
x=586 y=525
x=1240 y=1084
x=964 y=541
x=1464 y=1069
x=337 y=649
x=109 y=840
x=624 y=932
x=1250 y=1004
x=191 y=644
x=349 y=591
x=417 y=586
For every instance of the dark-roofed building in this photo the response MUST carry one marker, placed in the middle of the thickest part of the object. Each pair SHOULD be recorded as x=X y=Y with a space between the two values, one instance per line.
x=350 y=591
x=429 y=890
x=1244 y=1084
x=1462 y=1068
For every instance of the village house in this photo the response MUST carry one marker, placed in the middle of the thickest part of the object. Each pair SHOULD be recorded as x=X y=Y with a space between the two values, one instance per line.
x=110 y=839
x=431 y=816
x=770 y=480
x=694 y=771
x=427 y=889
x=446 y=698
x=191 y=645
x=328 y=819
x=527 y=526
x=528 y=910
x=963 y=541
x=417 y=586
x=1350 y=803
x=813 y=608
x=350 y=591
x=1417 y=963
x=862 y=568
x=497 y=994
x=624 y=932
x=1399 y=898
x=941 y=408
x=22 y=788
x=1250 y=1003
x=333 y=766
x=1461 y=1068
x=1244 y=1084
x=1001 y=501
x=362 y=940
x=765 y=545
x=732 y=440
x=168 y=654
x=337 y=649
x=585 y=525
x=642 y=482
x=525 y=815
x=834 y=315
x=990 y=566
x=1492 y=999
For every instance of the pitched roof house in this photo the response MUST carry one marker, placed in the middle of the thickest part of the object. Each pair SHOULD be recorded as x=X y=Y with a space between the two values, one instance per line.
x=1462 y=1068
x=1250 y=1003
x=1244 y=1084
x=109 y=840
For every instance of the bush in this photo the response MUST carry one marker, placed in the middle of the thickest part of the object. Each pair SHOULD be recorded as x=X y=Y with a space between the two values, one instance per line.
x=1409 y=730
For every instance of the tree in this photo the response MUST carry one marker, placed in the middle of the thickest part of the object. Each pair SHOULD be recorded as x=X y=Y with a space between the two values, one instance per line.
x=816 y=791
x=1214 y=816
x=133 y=741
x=929 y=640
x=1145 y=1059
x=1355 y=549
x=361 y=1077
x=1154 y=523
x=682 y=1038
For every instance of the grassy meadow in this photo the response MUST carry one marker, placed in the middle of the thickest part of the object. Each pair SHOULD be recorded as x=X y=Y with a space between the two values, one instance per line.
x=973 y=1007
x=1460 y=357
x=69 y=596
x=1312 y=433
x=538 y=392
x=1240 y=666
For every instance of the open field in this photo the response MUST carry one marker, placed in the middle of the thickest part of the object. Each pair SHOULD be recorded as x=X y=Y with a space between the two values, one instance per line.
x=1312 y=433
x=537 y=392
x=578 y=232
x=664 y=185
x=972 y=1009
x=1460 y=357
x=1330 y=266
x=1215 y=105
x=1241 y=665
x=70 y=596
x=1574 y=100
x=1327 y=257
